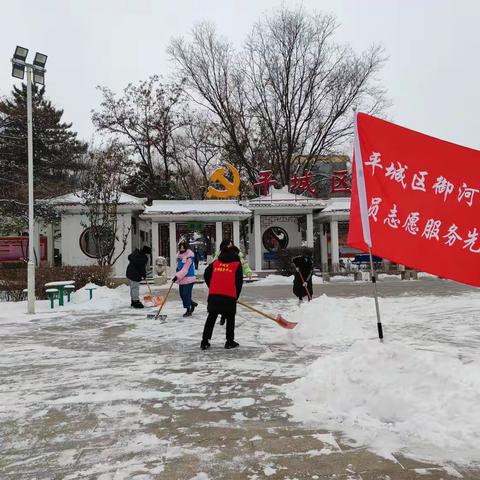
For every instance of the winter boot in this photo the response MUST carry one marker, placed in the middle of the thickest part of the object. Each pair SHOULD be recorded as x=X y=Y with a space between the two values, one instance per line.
x=222 y=320
x=188 y=313
x=193 y=306
x=205 y=344
x=231 y=344
x=137 y=304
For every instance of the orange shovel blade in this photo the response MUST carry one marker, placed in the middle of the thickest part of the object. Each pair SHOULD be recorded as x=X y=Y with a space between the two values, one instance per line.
x=283 y=322
x=156 y=300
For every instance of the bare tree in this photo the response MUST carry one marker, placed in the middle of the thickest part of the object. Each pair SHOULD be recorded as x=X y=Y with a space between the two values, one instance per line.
x=215 y=82
x=145 y=118
x=289 y=92
x=101 y=190
x=198 y=151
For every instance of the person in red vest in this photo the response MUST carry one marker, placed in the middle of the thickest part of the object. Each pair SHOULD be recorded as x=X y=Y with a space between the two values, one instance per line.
x=224 y=277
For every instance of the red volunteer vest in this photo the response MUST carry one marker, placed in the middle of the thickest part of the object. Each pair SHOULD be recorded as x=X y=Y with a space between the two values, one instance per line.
x=223 y=279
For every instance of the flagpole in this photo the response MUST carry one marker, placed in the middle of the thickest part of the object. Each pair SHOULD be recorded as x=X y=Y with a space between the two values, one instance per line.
x=362 y=200
x=375 y=295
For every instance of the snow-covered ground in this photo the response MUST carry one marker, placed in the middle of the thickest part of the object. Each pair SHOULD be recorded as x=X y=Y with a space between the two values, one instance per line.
x=417 y=393
x=128 y=398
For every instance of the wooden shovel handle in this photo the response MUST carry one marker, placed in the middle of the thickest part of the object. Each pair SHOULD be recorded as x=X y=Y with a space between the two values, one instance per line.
x=271 y=317
x=148 y=285
x=164 y=301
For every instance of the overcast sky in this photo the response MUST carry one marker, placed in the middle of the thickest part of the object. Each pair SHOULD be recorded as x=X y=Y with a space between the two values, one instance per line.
x=432 y=75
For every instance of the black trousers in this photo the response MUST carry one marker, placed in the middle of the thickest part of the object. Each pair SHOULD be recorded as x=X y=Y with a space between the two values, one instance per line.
x=210 y=323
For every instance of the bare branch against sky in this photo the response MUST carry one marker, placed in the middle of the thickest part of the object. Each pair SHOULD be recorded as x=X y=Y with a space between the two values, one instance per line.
x=431 y=76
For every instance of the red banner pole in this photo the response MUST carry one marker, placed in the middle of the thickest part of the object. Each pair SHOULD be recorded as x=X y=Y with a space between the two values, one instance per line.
x=362 y=200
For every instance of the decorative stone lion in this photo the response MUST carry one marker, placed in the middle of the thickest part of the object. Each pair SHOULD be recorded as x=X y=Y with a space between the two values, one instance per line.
x=160 y=270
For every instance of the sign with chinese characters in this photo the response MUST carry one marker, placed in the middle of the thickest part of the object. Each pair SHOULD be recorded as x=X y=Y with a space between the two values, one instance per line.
x=340 y=180
x=422 y=200
x=232 y=187
x=15 y=249
x=265 y=181
x=303 y=184
x=268 y=220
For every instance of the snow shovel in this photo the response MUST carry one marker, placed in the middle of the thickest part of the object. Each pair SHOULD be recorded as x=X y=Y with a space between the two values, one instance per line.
x=283 y=322
x=157 y=315
x=156 y=300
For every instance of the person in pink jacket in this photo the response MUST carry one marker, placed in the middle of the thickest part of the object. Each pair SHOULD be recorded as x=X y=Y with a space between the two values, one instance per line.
x=185 y=276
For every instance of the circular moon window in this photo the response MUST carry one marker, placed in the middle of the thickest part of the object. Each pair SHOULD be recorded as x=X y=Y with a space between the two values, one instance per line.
x=275 y=239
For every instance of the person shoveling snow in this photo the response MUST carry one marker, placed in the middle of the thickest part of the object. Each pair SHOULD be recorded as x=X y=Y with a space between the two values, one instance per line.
x=224 y=278
x=137 y=271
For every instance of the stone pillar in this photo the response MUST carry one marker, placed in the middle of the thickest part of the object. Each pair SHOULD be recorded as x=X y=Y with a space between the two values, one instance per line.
x=218 y=235
x=155 y=246
x=310 y=230
x=334 y=246
x=236 y=233
x=257 y=235
x=173 y=247
x=324 y=247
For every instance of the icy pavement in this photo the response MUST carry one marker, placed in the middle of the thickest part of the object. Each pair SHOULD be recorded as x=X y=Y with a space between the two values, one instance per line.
x=97 y=391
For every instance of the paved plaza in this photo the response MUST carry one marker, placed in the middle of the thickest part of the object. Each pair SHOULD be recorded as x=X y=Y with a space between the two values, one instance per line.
x=112 y=395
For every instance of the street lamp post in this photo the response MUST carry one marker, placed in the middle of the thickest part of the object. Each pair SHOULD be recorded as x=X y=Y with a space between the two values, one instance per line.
x=37 y=70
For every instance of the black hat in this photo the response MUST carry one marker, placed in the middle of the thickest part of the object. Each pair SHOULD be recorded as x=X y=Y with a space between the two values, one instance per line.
x=225 y=244
x=146 y=250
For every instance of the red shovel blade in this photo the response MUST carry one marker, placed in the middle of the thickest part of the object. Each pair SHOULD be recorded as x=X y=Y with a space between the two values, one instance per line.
x=283 y=322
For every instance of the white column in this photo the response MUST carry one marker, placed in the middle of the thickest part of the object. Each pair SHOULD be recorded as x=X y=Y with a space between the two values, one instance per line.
x=324 y=247
x=310 y=230
x=236 y=233
x=257 y=235
x=334 y=244
x=173 y=247
x=218 y=235
x=155 y=246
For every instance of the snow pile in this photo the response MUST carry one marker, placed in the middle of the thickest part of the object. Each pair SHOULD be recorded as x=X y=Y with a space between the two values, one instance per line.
x=328 y=321
x=104 y=298
x=394 y=398
x=416 y=394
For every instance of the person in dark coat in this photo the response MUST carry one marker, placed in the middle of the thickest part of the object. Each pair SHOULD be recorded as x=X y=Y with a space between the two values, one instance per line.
x=224 y=277
x=196 y=257
x=136 y=272
x=302 y=281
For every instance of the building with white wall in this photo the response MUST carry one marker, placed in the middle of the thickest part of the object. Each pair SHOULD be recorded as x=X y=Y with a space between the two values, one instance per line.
x=170 y=220
x=279 y=220
x=76 y=246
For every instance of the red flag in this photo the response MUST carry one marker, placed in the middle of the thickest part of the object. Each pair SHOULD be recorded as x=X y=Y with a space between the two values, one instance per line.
x=422 y=205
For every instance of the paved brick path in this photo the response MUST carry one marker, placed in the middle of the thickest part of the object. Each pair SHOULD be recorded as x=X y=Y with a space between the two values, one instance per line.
x=115 y=396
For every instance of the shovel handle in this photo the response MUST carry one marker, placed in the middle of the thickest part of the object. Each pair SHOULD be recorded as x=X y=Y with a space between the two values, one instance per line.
x=148 y=285
x=164 y=301
x=253 y=309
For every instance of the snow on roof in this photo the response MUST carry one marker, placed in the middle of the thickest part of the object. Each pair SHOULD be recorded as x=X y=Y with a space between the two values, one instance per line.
x=175 y=207
x=282 y=197
x=75 y=198
x=340 y=204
